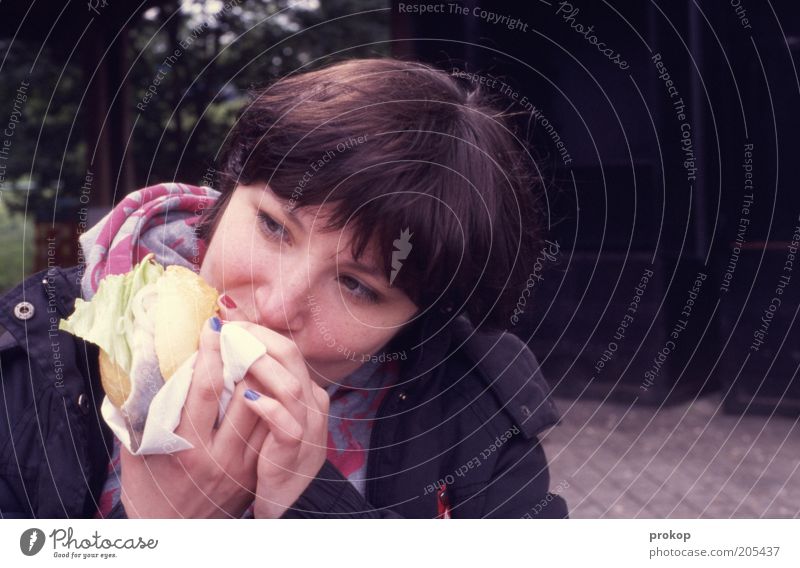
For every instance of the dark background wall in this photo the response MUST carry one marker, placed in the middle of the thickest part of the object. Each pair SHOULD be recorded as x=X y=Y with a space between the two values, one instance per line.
x=627 y=203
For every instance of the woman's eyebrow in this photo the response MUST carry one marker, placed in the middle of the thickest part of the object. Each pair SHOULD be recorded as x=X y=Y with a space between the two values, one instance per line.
x=362 y=267
x=373 y=271
x=294 y=218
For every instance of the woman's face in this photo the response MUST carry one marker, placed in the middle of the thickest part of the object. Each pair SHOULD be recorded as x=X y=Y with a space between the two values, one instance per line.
x=284 y=273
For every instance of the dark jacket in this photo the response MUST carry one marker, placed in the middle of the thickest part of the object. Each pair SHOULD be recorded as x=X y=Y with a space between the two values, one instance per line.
x=463 y=420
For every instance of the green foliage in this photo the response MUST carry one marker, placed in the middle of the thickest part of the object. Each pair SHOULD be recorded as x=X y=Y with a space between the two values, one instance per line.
x=45 y=153
x=16 y=246
x=180 y=132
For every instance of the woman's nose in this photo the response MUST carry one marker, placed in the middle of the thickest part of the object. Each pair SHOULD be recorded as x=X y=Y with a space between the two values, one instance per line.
x=282 y=299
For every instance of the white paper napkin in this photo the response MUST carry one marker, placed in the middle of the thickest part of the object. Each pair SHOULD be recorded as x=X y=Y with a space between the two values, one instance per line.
x=239 y=349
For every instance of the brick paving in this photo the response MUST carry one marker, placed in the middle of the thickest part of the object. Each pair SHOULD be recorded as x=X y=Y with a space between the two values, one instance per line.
x=683 y=461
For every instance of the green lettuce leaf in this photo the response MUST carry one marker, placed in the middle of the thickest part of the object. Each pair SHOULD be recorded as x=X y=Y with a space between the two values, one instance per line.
x=107 y=319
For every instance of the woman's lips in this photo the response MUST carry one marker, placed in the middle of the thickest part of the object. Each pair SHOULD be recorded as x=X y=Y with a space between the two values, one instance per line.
x=226 y=301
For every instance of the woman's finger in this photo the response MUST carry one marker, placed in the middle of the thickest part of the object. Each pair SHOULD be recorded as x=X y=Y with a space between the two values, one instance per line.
x=252 y=448
x=283 y=427
x=280 y=348
x=282 y=446
x=323 y=399
x=273 y=379
x=201 y=409
x=239 y=421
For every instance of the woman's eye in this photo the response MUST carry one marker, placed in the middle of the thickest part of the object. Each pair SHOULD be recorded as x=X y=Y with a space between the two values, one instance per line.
x=276 y=231
x=357 y=289
x=273 y=229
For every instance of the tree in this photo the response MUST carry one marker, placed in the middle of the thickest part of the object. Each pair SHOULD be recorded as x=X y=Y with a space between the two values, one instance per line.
x=226 y=48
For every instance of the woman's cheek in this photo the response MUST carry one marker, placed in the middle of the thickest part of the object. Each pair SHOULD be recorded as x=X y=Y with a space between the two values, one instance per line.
x=333 y=337
x=359 y=344
x=323 y=326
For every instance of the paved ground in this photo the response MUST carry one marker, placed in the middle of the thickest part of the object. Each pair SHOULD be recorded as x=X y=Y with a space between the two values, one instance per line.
x=687 y=461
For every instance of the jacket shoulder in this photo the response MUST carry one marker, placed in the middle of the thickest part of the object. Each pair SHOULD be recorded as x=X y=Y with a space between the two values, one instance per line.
x=507 y=366
x=56 y=445
x=27 y=315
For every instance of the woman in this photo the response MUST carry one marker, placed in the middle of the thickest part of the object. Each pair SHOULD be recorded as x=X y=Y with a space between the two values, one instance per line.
x=374 y=227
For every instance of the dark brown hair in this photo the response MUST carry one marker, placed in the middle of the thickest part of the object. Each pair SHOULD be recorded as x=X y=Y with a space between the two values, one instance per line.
x=408 y=147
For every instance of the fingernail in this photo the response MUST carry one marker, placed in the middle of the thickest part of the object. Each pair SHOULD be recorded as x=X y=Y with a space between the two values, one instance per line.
x=227 y=301
x=215 y=323
x=251 y=395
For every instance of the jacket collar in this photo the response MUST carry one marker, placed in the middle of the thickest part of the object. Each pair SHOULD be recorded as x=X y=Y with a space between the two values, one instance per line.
x=503 y=361
x=423 y=345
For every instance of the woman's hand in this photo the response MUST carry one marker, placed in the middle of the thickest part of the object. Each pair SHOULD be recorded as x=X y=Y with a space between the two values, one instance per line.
x=217 y=478
x=295 y=423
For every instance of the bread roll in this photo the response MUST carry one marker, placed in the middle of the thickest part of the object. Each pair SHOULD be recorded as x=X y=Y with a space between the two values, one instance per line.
x=116 y=382
x=184 y=303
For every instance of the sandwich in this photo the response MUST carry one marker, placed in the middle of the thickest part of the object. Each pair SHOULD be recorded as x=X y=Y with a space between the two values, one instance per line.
x=147 y=324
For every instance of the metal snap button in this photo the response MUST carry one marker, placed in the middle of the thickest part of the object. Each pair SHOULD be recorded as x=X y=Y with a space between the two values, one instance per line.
x=402 y=396
x=24 y=311
x=83 y=403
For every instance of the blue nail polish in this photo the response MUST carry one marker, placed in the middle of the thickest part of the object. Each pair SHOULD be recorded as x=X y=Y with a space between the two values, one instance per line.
x=215 y=323
x=251 y=395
